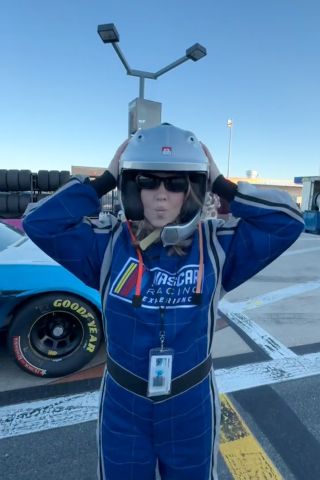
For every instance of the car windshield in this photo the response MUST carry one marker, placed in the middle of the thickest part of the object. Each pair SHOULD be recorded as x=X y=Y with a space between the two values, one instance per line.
x=8 y=236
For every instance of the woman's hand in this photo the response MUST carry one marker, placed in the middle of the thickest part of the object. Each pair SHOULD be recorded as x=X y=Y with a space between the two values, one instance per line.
x=113 y=167
x=214 y=172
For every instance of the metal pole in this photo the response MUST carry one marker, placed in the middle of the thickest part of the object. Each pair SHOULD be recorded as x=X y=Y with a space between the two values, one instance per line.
x=229 y=125
x=141 y=87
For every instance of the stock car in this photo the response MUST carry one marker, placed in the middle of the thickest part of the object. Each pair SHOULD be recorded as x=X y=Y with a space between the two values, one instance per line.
x=52 y=319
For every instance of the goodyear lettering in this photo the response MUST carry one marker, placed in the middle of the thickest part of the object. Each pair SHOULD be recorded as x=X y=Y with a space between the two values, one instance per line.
x=91 y=348
x=74 y=306
x=92 y=327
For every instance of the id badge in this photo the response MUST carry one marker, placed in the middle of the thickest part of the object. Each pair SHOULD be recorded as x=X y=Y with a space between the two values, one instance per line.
x=160 y=370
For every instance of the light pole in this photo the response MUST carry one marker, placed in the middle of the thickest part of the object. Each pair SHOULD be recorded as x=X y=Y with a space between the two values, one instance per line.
x=145 y=113
x=229 y=125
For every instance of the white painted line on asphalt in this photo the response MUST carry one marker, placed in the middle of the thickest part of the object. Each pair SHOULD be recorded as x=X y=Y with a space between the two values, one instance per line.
x=267 y=373
x=32 y=417
x=270 y=297
x=270 y=345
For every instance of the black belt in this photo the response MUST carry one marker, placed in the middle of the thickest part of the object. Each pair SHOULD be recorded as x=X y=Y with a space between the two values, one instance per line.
x=139 y=386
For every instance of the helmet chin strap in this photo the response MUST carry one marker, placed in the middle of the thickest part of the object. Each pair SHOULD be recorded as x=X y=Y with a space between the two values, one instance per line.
x=150 y=239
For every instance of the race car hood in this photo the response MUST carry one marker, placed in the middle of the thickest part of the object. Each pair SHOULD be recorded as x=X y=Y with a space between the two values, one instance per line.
x=24 y=252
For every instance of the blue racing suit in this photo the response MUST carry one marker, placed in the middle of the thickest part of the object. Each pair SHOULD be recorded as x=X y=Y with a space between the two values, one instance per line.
x=179 y=433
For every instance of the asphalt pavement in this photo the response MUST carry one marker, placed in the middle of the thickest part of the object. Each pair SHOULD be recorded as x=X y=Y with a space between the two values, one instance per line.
x=267 y=362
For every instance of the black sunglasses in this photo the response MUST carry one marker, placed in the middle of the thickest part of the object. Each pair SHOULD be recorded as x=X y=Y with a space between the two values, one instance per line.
x=172 y=184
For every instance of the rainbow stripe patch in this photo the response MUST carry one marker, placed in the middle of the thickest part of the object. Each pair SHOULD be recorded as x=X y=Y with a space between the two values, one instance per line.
x=125 y=283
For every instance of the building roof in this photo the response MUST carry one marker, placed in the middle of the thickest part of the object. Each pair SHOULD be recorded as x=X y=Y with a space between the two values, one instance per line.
x=89 y=171
x=266 y=181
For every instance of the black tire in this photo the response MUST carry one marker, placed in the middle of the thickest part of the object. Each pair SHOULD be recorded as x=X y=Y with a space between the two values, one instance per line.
x=25 y=184
x=64 y=177
x=24 y=200
x=3 y=180
x=43 y=180
x=13 y=203
x=54 y=180
x=3 y=204
x=54 y=335
x=13 y=180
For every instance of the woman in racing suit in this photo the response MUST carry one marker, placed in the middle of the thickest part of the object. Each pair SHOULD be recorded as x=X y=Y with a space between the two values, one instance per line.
x=161 y=274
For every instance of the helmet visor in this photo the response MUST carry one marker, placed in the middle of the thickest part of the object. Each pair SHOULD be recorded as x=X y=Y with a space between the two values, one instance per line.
x=177 y=183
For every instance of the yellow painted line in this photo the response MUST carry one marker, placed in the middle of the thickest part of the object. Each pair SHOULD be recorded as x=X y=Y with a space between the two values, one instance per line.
x=131 y=268
x=245 y=458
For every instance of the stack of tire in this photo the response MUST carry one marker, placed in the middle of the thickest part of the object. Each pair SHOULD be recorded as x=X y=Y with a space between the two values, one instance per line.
x=20 y=187
x=48 y=181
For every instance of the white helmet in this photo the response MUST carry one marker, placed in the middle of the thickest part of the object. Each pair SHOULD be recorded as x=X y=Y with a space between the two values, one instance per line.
x=169 y=149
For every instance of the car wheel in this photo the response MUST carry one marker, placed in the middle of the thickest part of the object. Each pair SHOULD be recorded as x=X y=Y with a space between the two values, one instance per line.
x=54 y=335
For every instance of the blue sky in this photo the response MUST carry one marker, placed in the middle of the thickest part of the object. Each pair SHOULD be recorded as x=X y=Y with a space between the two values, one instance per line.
x=64 y=94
